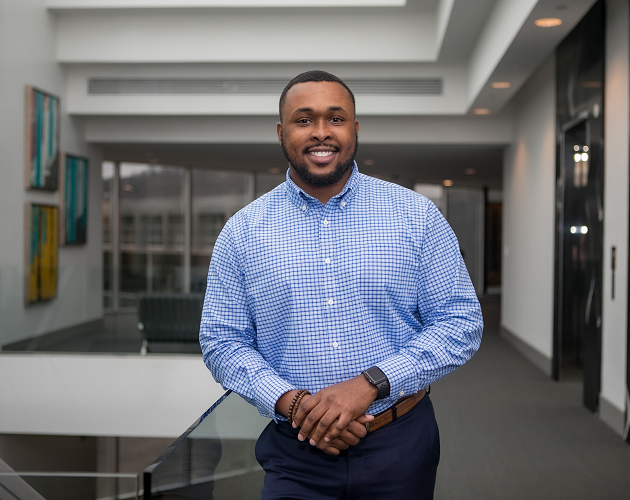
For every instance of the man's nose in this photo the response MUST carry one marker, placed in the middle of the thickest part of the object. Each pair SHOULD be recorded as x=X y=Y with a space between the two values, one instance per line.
x=320 y=131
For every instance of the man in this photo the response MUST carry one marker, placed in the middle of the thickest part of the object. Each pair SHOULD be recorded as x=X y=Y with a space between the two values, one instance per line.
x=350 y=288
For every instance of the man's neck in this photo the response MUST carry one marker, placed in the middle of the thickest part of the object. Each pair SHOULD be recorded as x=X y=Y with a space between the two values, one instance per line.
x=321 y=193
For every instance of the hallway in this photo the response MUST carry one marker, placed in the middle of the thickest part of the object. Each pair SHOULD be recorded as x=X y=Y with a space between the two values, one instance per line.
x=510 y=432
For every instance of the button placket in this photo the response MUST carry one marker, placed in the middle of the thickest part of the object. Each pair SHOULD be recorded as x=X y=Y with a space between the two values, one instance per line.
x=330 y=291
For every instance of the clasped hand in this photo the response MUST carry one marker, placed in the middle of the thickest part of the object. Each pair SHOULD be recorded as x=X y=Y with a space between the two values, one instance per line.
x=334 y=418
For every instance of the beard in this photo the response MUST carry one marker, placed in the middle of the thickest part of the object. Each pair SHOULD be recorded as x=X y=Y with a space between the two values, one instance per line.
x=320 y=180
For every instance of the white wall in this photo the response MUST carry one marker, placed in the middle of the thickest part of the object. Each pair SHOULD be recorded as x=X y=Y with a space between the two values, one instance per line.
x=27 y=52
x=617 y=89
x=528 y=222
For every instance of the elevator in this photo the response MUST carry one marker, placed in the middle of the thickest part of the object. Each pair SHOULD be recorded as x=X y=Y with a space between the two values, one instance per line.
x=579 y=206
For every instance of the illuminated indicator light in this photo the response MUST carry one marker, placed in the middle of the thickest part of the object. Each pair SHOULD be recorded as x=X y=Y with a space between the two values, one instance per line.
x=548 y=22
x=481 y=111
x=585 y=148
x=576 y=148
x=448 y=182
x=584 y=156
x=584 y=230
x=501 y=85
x=577 y=157
x=573 y=229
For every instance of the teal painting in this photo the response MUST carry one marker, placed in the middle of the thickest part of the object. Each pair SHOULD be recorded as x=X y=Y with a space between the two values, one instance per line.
x=74 y=200
x=42 y=140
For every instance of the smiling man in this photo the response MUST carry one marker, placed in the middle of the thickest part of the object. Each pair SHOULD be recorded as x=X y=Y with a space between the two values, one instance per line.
x=333 y=302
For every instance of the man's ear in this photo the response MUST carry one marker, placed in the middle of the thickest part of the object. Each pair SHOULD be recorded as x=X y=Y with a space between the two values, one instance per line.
x=279 y=131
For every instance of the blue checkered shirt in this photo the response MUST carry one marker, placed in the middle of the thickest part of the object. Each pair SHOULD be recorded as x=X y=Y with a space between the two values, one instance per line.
x=302 y=295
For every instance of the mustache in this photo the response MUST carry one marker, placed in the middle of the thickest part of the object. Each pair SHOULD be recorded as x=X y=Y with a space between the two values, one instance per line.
x=319 y=145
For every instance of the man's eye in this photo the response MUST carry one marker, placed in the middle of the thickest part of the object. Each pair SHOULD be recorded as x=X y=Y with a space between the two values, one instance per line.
x=336 y=119
x=303 y=120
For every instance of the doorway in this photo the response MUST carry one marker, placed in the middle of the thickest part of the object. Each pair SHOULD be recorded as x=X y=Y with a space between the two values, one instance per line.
x=579 y=239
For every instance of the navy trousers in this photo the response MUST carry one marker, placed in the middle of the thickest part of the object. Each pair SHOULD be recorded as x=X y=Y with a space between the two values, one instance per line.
x=398 y=462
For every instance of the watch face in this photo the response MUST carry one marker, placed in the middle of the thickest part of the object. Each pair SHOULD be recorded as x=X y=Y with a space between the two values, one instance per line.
x=375 y=374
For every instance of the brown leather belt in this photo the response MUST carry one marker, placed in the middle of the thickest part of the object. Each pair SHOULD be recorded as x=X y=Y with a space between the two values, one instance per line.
x=401 y=407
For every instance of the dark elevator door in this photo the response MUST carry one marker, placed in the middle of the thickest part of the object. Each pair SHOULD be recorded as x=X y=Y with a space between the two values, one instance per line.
x=581 y=253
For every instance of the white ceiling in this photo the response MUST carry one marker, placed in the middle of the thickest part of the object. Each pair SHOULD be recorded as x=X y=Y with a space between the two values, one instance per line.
x=467 y=44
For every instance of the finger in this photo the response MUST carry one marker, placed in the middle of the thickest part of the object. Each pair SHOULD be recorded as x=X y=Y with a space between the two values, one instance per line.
x=351 y=434
x=357 y=429
x=332 y=448
x=310 y=421
x=329 y=450
x=364 y=419
x=306 y=405
x=337 y=427
x=322 y=428
x=349 y=438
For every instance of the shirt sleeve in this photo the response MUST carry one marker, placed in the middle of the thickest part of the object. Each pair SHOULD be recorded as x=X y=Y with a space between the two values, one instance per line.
x=450 y=317
x=227 y=334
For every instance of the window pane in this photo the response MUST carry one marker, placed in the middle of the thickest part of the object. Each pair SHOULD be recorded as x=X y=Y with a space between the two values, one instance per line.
x=151 y=230
x=216 y=196
x=266 y=182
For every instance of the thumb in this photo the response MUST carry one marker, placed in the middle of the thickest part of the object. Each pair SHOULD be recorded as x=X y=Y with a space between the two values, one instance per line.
x=364 y=419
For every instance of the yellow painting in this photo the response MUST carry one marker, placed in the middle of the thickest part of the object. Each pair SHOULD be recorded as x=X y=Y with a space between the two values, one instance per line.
x=42 y=234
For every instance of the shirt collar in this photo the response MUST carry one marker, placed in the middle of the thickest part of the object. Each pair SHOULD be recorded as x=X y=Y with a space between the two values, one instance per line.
x=299 y=197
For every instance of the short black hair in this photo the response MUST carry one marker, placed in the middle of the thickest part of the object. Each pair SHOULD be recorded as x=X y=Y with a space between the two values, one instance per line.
x=315 y=75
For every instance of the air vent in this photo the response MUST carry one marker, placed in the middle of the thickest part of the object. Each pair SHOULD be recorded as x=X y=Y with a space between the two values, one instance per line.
x=172 y=86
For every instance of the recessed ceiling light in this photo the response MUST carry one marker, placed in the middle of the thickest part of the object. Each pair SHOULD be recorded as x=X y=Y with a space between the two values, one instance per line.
x=274 y=170
x=368 y=162
x=501 y=85
x=481 y=111
x=448 y=183
x=548 y=22
x=470 y=171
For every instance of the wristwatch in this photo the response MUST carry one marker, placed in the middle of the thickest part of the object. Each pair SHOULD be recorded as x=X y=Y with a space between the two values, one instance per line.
x=378 y=379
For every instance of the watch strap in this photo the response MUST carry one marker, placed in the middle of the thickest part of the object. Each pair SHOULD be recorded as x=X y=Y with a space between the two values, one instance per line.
x=378 y=379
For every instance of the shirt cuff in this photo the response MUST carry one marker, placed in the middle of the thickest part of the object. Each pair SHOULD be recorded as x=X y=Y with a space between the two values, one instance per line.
x=402 y=375
x=268 y=391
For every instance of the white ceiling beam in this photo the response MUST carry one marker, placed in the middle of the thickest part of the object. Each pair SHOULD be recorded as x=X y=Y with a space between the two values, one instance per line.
x=179 y=4
x=256 y=36
x=262 y=130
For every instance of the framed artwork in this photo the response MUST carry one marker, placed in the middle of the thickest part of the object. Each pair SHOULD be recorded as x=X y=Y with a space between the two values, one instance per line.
x=42 y=140
x=74 y=188
x=41 y=252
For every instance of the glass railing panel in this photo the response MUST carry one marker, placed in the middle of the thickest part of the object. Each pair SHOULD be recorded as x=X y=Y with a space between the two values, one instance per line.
x=214 y=458
x=70 y=486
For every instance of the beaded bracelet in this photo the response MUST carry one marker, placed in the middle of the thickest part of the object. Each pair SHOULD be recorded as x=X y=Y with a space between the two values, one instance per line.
x=296 y=407
x=295 y=404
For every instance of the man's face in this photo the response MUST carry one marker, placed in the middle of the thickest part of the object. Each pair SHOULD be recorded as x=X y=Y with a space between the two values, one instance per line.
x=318 y=132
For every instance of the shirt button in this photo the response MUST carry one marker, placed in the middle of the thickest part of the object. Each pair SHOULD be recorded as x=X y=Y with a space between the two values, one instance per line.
x=335 y=344
x=402 y=393
x=327 y=260
x=303 y=208
x=325 y=222
x=343 y=203
x=331 y=302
